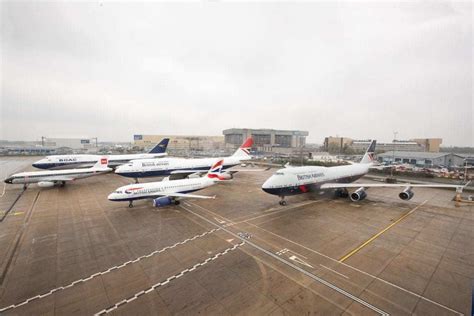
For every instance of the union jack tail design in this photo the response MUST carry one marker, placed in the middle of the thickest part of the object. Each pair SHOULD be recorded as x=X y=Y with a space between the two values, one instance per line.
x=243 y=152
x=216 y=171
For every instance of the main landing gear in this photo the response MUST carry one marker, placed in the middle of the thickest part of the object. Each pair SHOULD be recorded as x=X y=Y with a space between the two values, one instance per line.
x=341 y=193
x=282 y=201
x=176 y=202
x=130 y=204
x=63 y=183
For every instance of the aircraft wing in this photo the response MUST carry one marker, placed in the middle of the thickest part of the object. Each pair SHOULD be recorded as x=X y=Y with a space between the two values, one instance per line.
x=185 y=195
x=389 y=185
x=181 y=174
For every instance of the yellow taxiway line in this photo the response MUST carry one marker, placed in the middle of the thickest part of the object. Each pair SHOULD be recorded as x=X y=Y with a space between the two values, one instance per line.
x=380 y=233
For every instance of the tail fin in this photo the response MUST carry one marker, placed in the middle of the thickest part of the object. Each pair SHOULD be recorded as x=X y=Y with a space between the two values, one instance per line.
x=216 y=170
x=101 y=163
x=160 y=148
x=369 y=156
x=243 y=152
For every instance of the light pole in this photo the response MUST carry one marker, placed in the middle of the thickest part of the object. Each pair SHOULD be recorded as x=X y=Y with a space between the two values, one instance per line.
x=393 y=152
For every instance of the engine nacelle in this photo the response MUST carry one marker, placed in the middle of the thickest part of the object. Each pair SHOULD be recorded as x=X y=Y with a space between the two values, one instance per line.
x=406 y=194
x=162 y=201
x=226 y=176
x=358 y=195
x=45 y=184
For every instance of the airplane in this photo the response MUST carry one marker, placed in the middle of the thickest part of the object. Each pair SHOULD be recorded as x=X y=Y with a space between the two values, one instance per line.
x=46 y=179
x=298 y=180
x=179 y=168
x=167 y=192
x=84 y=160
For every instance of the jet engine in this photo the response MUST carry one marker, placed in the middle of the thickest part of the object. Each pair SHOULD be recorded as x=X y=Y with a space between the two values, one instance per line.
x=358 y=195
x=45 y=184
x=406 y=194
x=226 y=176
x=162 y=201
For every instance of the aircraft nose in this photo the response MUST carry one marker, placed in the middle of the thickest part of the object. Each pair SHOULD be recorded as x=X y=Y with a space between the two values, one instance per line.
x=9 y=180
x=111 y=196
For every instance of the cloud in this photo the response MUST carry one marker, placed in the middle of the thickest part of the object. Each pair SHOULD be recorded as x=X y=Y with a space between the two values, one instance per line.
x=112 y=70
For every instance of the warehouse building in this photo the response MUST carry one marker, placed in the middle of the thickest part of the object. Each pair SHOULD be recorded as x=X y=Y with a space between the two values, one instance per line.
x=425 y=159
x=266 y=140
x=341 y=144
x=181 y=143
x=78 y=144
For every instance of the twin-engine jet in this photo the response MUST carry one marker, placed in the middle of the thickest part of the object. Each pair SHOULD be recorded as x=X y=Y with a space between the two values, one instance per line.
x=83 y=160
x=49 y=178
x=168 y=192
x=298 y=180
x=179 y=168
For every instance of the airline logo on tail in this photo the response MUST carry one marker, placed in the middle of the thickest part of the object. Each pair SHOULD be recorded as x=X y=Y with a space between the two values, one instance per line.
x=244 y=149
x=216 y=170
x=103 y=161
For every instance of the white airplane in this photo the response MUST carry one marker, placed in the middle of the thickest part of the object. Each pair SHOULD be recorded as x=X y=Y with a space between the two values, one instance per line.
x=298 y=180
x=178 y=168
x=49 y=178
x=83 y=160
x=167 y=192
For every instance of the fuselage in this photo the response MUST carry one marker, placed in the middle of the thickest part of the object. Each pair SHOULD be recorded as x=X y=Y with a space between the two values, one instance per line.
x=50 y=175
x=153 y=189
x=297 y=180
x=85 y=161
x=165 y=166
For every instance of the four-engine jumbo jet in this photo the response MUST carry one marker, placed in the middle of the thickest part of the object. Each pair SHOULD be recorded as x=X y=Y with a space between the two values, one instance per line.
x=178 y=168
x=169 y=191
x=49 y=178
x=83 y=160
x=298 y=180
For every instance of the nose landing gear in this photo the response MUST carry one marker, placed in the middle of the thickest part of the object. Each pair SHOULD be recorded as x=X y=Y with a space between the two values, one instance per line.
x=282 y=201
x=130 y=204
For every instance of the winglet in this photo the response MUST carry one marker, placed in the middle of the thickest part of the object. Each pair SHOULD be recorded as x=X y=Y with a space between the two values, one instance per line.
x=160 y=148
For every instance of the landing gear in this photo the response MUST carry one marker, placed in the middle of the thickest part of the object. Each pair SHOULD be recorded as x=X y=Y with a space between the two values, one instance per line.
x=130 y=204
x=176 y=202
x=136 y=180
x=63 y=183
x=341 y=193
x=25 y=186
x=282 y=201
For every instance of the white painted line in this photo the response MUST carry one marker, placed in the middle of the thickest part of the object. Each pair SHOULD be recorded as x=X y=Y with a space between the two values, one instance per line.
x=107 y=271
x=344 y=276
x=173 y=277
x=294 y=266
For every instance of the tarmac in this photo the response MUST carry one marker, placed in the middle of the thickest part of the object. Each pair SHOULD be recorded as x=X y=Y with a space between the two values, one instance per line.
x=71 y=251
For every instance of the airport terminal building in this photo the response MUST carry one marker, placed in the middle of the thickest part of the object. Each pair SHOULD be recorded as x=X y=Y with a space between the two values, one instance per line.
x=425 y=159
x=266 y=140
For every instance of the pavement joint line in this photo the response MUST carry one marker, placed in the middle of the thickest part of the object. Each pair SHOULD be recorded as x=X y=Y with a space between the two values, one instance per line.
x=161 y=283
x=361 y=271
x=39 y=296
x=290 y=264
x=368 y=241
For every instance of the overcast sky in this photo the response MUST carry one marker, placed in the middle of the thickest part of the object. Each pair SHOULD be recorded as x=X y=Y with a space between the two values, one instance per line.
x=355 y=69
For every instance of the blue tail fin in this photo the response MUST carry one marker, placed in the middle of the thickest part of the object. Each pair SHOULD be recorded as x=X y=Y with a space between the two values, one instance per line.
x=160 y=148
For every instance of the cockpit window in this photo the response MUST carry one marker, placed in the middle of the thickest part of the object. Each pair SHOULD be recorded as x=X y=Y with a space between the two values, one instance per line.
x=279 y=174
x=118 y=191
